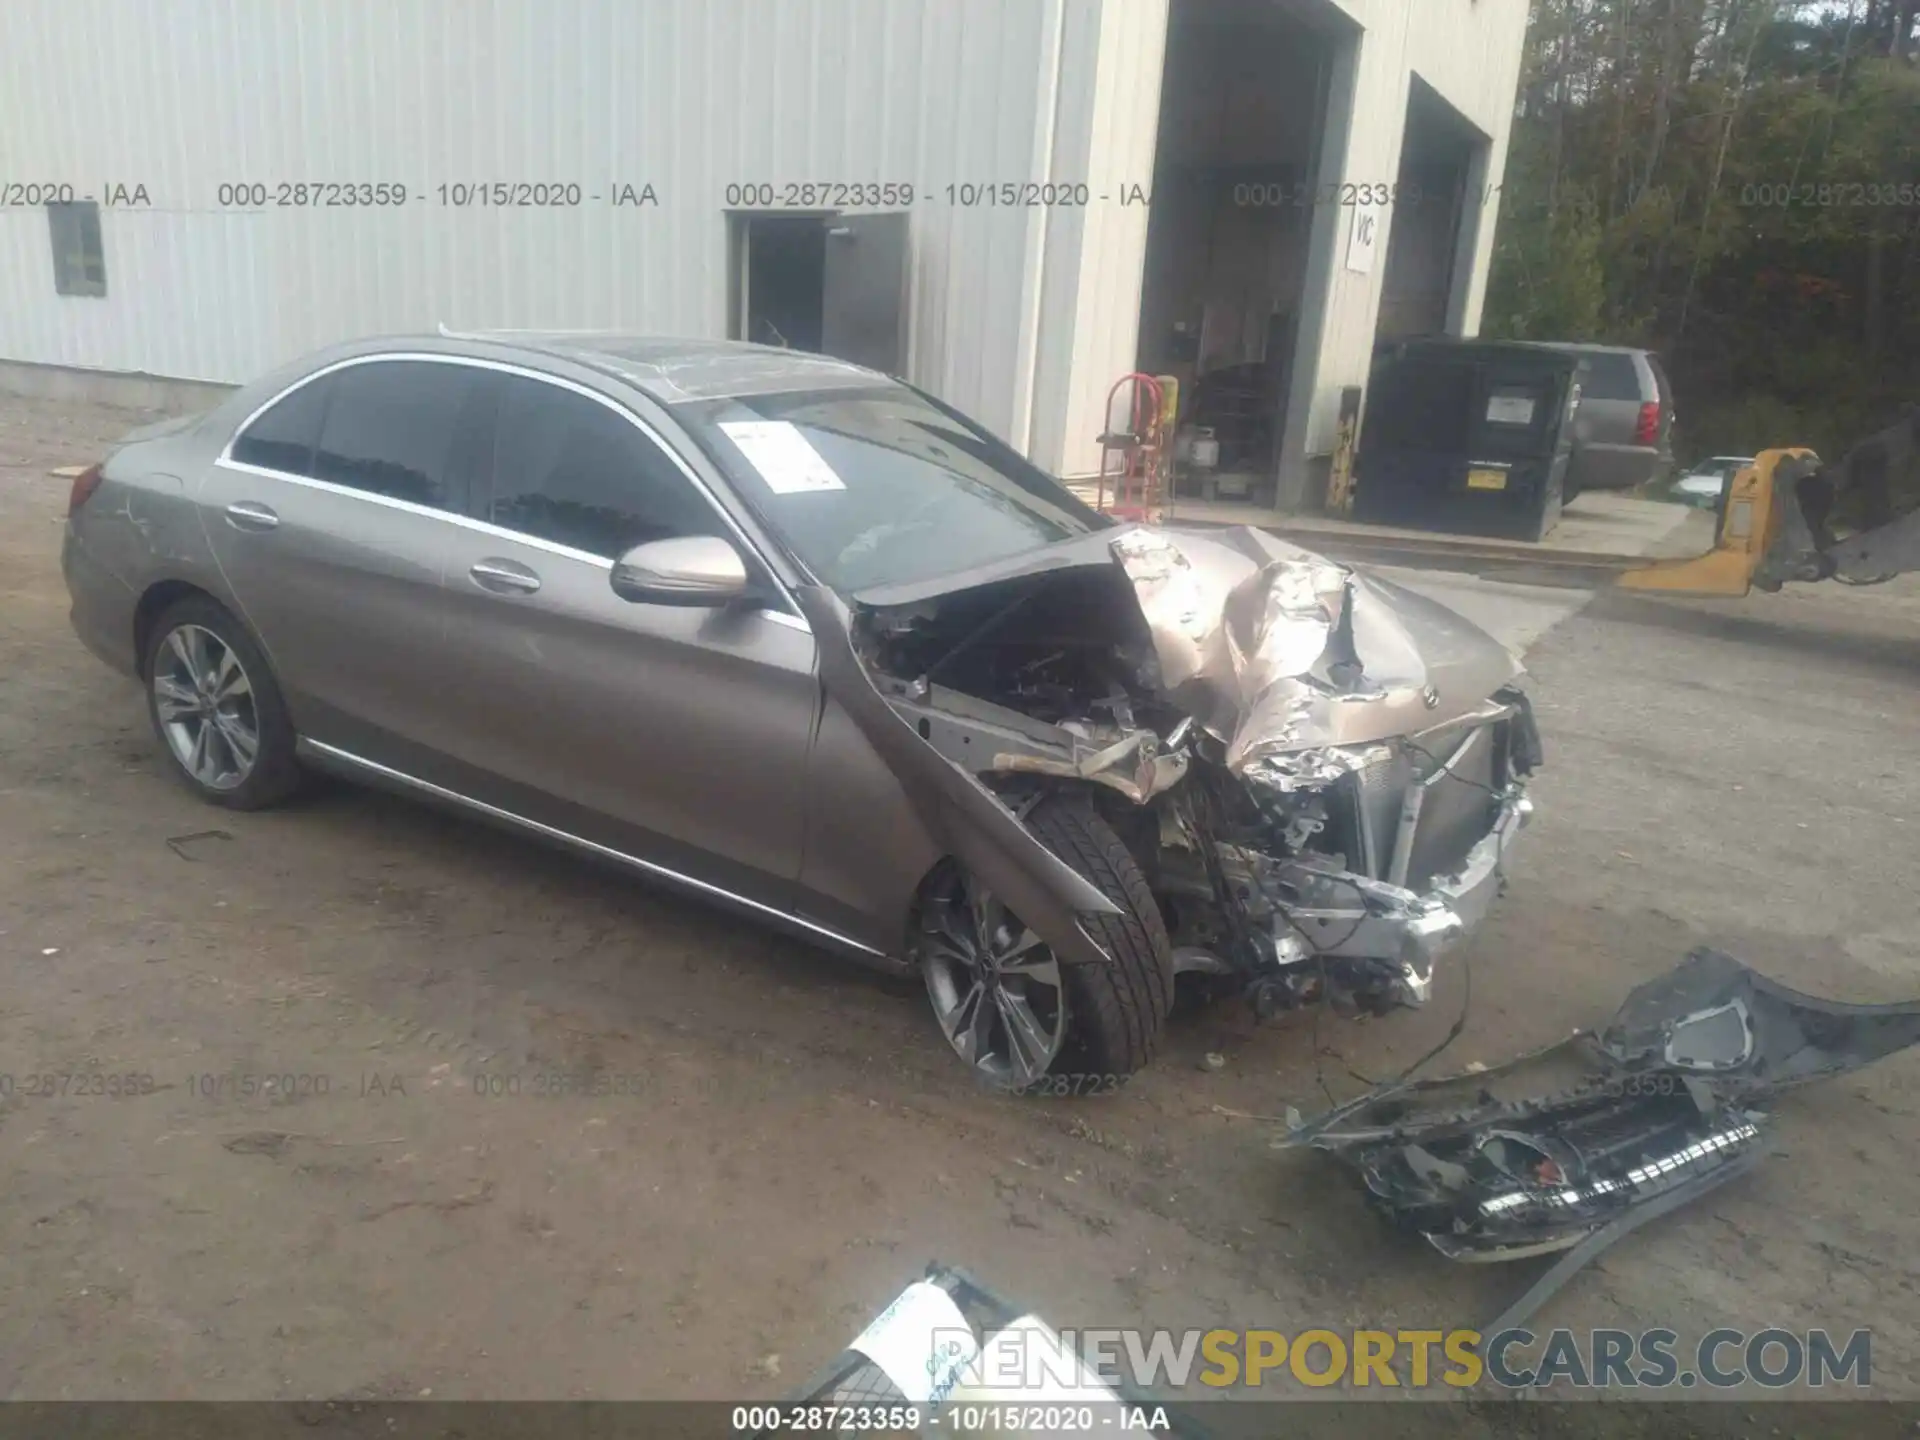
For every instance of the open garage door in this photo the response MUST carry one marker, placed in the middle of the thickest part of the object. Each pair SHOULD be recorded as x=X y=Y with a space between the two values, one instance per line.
x=830 y=283
x=864 y=317
x=1242 y=116
x=1428 y=241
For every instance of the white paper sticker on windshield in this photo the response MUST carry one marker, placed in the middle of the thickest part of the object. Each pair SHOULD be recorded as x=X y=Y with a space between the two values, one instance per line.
x=781 y=454
x=1510 y=410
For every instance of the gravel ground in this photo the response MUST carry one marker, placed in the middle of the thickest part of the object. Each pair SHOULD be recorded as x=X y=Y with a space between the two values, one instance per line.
x=799 y=1143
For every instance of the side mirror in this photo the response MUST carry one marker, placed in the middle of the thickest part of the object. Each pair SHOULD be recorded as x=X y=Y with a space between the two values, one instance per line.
x=691 y=570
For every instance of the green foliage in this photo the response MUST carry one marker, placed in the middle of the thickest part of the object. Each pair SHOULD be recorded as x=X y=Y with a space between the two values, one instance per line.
x=1548 y=282
x=1723 y=180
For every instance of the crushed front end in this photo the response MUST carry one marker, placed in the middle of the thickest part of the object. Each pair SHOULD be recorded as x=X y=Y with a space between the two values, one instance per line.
x=1319 y=773
x=1346 y=873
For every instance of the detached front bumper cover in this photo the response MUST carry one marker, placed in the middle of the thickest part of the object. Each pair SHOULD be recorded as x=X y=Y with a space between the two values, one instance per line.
x=1570 y=1147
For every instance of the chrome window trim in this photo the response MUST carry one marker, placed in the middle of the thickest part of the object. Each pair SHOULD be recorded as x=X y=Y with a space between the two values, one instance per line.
x=440 y=792
x=226 y=461
x=410 y=507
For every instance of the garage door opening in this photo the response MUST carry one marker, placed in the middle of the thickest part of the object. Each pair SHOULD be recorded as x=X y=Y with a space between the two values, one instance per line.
x=1429 y=249
x=829 y=283
x=784 y=287
x=1242 y=112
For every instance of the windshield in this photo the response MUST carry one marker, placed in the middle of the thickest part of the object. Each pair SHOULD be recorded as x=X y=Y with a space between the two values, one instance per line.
x=880 y=486
x=1720 y=468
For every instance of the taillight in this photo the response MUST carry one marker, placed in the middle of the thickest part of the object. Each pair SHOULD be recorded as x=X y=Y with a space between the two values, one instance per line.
x=1647 y=432
x=84 y=484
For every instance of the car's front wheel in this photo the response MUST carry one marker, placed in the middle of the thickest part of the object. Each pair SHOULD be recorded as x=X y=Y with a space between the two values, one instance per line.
x=1008 y=1006
x=217 y=709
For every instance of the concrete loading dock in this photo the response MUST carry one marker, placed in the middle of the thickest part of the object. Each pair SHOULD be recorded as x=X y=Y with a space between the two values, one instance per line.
x=1600 y=535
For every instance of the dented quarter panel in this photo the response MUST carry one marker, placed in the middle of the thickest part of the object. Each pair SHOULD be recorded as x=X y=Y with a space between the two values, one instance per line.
x=140 y=529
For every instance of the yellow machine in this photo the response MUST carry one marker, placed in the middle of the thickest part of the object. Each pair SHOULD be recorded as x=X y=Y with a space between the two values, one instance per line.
x=1775 y=522
x=1780 y=522
x=1748 y=522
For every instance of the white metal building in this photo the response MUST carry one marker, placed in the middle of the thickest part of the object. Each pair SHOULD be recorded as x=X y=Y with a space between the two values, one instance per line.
x=1079 y=188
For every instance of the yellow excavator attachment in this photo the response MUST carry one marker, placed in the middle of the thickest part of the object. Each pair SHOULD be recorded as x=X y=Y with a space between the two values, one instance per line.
x=1749 y=518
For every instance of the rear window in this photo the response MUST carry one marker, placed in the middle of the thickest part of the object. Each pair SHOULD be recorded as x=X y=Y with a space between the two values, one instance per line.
x=1610 y=375
x=283 y=438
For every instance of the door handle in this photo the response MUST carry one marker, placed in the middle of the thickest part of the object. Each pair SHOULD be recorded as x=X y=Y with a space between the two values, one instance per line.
x=249 y=515
x=504 y=577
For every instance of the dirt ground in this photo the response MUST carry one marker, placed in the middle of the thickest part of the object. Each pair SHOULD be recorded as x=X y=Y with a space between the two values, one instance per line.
x=798 y=1143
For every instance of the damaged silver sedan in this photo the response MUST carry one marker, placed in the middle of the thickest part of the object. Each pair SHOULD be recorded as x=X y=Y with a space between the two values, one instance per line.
x=800 y=639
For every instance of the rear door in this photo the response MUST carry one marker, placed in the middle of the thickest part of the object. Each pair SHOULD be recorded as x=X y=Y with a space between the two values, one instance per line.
x=330 y=515
x=678 y=736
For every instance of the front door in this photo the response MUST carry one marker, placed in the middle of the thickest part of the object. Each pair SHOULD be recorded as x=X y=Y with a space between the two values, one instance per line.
x=675 y=735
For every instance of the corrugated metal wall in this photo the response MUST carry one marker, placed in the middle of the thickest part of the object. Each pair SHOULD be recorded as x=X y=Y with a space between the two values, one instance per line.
x=685 y=95
x=1123 y=130
x=1470 y=52
x=1021 y=316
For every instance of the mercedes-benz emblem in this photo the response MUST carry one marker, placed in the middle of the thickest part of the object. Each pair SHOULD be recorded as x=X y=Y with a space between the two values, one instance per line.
x=1432 y=697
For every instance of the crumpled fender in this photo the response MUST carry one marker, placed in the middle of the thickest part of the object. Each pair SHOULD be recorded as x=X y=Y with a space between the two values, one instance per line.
x=964 y=817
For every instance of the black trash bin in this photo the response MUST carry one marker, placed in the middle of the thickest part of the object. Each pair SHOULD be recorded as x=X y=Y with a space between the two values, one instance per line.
x=1469 y=436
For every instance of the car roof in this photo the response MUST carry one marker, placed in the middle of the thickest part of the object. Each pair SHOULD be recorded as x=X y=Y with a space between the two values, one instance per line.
x=677 y=370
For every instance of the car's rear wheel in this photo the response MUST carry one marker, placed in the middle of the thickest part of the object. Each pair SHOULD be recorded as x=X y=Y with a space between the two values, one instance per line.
x=217 y=709
x=1008 y=1006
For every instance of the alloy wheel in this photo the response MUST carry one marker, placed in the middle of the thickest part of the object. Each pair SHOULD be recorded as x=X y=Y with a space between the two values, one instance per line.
x=204 y=701
x=996 y=987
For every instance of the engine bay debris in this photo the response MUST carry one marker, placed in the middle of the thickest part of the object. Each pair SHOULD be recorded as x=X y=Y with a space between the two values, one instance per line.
x=1568 y=1148
x=1319 y=773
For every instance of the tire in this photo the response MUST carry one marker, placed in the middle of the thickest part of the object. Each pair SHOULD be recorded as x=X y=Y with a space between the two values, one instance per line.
x=1115 y=1013
x=198 y=634
x=1020 y=1017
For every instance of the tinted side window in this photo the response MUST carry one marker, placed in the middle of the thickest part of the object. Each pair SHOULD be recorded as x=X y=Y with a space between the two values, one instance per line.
x=1611 y=377
x=390 y=430
x=283 y=438
x=569 y=470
